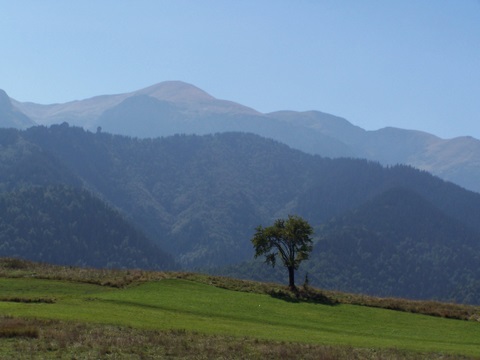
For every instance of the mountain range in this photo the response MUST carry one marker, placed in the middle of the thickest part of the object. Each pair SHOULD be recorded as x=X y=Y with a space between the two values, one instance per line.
x=175 y=107
x=193 y=202
x=169 y=177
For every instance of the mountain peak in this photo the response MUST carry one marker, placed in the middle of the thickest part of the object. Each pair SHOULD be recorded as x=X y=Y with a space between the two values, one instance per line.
x=5 y=102
x=175 y=91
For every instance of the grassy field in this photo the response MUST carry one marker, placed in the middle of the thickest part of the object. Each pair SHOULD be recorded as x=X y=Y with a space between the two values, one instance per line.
x=243 y=324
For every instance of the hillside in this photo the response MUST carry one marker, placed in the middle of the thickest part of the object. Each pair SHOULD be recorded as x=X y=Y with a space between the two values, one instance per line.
x=63 y=225
x=200 y=198
x=66 y=311
x=23 y=163
x=174 y=107
x=403 y=242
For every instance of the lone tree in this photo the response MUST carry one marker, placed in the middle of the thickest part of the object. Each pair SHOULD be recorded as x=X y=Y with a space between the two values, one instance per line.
x=288 y=239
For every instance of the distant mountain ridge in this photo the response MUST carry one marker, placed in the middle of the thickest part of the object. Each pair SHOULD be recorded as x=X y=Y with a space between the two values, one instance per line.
x=11 y=117
x=86 y=112
x=175 y=107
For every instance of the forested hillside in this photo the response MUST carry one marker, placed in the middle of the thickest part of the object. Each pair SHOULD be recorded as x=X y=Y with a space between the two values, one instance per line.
x=399 y=244
x=63 y=225
x=200 y=198
x=23 y=164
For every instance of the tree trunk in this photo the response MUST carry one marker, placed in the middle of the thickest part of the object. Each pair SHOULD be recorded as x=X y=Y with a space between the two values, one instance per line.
x=291 y=278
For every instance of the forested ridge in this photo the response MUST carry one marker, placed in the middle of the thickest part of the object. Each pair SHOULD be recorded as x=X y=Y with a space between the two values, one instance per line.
x=199 y=198
x=69 y=226
x=397 y=244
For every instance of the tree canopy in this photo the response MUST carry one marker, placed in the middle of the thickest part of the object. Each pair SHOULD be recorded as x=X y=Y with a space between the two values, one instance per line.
x=290 y=240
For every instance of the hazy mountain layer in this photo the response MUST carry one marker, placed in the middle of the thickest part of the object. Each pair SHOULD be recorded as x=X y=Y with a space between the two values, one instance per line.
x=11 y=117
x=456 y=160
x=175 y=107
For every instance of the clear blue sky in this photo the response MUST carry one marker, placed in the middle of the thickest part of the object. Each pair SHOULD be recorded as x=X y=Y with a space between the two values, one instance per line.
x=406 y=63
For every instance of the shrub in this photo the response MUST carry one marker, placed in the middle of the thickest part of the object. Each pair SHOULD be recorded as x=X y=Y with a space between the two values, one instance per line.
x=11 y=327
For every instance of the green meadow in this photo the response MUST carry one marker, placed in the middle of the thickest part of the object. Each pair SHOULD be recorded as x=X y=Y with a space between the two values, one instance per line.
x=187 y=306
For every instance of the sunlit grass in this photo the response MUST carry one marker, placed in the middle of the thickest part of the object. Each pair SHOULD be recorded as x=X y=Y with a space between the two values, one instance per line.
x=201 y=316
x=181 y=305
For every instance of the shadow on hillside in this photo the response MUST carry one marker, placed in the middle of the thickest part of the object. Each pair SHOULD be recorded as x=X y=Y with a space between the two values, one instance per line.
x=302 y=295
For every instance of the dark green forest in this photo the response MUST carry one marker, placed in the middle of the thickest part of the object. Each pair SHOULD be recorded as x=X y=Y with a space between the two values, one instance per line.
x=397 y=244
x=199 y=198
x=67 y=226
x=404 y=243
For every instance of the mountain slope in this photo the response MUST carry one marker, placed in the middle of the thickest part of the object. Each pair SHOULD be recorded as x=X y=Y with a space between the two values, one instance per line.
x=201 y=197
x=157 y=117
x=399 y=244
x=235 y=159
x=396 y=245
x=68 y=226
x=456 y=160
x=10 y=117
x=196 y=196
x=173 y=107
x=24 y=164
x=86 y=113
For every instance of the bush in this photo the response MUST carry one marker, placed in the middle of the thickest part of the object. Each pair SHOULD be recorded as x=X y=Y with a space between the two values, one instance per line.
x=12 y=327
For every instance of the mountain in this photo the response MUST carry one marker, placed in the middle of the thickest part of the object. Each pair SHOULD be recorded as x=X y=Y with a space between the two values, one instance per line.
x=399 y=244
x=86 y=113
x=23 y=164
x=45 y=216
x=68 y=226
x=175 y=107
x=201 y=197
x=456 y=160
x=10 y=117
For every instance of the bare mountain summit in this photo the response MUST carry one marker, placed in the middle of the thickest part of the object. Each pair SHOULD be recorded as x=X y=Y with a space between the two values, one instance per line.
x=175 y=91
x=85 y=113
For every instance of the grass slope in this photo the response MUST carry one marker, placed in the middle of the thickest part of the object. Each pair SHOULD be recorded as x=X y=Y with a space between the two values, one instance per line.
x=183 y=305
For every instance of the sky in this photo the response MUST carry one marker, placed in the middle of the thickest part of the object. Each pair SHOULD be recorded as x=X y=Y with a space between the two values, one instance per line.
x=412 y=64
